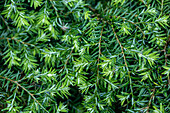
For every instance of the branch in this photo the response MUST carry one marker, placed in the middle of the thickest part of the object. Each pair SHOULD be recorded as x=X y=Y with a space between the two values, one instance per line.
x=54 y=7
x=150 y=101
x=100 y=40
x=126 y=20
x=17 y=40
x=90 y=8
x=69 y=56
x=133 y=24
x=67 y=60
x=131 y=88
x=99 y=53
x=5 y=22
x=162 y=5
x=25 y=90
x=119 y=44
x=143 y=3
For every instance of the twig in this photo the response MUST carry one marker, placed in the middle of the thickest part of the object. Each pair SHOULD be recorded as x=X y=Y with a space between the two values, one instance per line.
x=13 y=38
x=143 y=3
x=69 y=56
x=131 y=88
x=67 y=59
x=5 y=22
x=162 y=5
x=24 y=90
x=119 y=44
x=67 y=13
x=99 y=53
x=126 y=20
x=100 y=40
x=54 y=7
x=133 y=24
x=90 y=8
x=150 y=100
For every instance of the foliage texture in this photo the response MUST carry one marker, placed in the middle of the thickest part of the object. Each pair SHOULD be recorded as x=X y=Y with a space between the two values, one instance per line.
x=84 y=56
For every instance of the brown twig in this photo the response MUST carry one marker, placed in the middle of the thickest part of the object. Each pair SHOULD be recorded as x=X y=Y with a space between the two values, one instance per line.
x=123 y=57
x=126 y=20
x=67 y=60
x=13 y=38
x=54 y=7
x=101 y=33
x=1 y=52
x=100 y=40
x=150 y=100
x=162 y=4
x=143 y=3
x=133 y=24
x=119 y=44
x=90 y=8
x=69 y=56
x=25 y=90
x=67 y=13
x=5 y=22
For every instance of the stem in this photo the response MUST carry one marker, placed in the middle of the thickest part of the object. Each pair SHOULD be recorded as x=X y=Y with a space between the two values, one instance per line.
x=123 y=57
x=67 y=59
x=54 y=8
x=133 y=24
x=90 y=8
x=25 y=90
x=99 y=53
x=5 y=22
x=13 y=38
x=162 y=5
x=126 y=20
x=120 y=45
x=150 y=100
x=143 y=3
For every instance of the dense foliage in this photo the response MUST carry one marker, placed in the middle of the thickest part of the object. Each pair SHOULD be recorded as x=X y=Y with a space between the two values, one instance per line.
x=84 y=56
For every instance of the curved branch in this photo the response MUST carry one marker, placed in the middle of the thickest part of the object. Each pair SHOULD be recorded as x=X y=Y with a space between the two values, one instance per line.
x=5 y=22
x=67 y=60
x=119 y=44
x=17 y=41
x=143 y=3
x=99 y=53
x=25 y=90
x=54 y=7
x=123 y=57
x=133 y=24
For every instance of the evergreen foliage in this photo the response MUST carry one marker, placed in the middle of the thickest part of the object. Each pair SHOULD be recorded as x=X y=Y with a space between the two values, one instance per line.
x=78 y=56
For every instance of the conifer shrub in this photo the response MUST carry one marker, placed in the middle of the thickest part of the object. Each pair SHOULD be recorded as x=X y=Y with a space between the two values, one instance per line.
x=84 y=56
